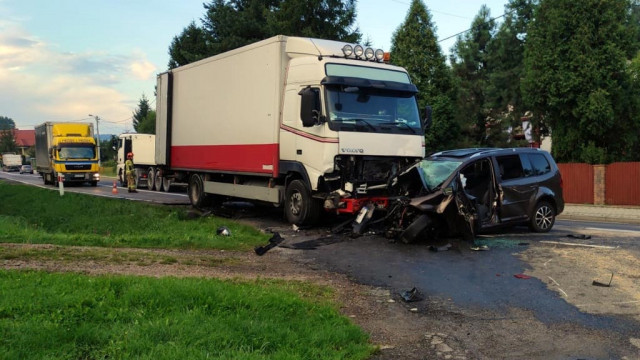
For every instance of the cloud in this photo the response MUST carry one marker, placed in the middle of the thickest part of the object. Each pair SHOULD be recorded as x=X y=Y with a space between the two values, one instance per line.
x=39 y=83
x=142 y=69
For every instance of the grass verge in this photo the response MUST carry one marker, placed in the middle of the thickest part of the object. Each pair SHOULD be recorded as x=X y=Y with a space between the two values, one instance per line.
x=75 y=316
x=40 y=216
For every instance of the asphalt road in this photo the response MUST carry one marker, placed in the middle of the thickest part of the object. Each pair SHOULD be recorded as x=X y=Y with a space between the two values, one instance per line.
x=105 y=188
x=478 y=298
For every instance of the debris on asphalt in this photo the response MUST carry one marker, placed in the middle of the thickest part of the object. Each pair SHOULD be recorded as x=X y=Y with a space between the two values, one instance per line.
x=579 y=236
x=598 y=283
x=581 y=245
x=412 y=295
x=479 y=248
x=440 y=248
x=275 y=240
x=223 y=231
x=314 y=243
x=522 y=276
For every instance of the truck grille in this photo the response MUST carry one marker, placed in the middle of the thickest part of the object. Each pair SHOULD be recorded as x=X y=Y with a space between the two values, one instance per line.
x=78 y=167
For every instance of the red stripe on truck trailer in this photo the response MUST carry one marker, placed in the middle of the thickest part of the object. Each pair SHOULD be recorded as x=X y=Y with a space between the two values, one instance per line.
x=256 y=158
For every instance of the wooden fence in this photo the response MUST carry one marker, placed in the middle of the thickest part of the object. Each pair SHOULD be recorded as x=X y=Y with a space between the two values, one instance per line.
x=613 y=184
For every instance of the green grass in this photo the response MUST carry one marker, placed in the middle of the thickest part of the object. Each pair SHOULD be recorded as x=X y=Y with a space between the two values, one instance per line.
x=40 y=216
x=72 y=316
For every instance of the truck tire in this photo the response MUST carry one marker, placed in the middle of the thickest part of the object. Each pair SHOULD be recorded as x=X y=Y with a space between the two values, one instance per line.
x=299 y=207
x=157 y=180
x=151 y=178
x=166 y=184
x=196 y=192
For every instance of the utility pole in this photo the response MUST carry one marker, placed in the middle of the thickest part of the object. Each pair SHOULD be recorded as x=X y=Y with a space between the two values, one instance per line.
x=98 y=132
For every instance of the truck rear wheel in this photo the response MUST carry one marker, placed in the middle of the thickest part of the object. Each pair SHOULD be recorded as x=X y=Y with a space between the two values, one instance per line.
x=166 y=184
x=299 y=207
x=196 y=192
x=158 y=180
x=151 y=179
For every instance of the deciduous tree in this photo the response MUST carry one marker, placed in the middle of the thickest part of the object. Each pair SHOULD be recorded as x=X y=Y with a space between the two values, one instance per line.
x=577 y=78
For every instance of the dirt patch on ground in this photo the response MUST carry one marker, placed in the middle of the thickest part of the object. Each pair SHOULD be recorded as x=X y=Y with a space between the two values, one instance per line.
x=572 y=270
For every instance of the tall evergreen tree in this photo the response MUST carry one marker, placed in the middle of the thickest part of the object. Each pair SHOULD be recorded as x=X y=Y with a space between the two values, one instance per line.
x=144 y=117
x=505 y=56
x=7 y=123
x=191 y=45
x=414 y=46
x=326 y=19
x=7 y=139
x=469 y=64
x=229 y=24
x=577 y=80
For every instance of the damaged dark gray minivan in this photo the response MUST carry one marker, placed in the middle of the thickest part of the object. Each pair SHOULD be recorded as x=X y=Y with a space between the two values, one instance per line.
x=465 y=191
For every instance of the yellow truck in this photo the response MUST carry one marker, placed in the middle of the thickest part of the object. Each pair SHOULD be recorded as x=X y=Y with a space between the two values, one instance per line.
x=67 y=152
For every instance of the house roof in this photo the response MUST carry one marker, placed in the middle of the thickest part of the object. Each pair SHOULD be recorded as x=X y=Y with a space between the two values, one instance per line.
x=24 y=138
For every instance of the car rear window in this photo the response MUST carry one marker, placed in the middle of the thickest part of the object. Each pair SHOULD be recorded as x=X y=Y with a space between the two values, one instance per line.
x=539 y=164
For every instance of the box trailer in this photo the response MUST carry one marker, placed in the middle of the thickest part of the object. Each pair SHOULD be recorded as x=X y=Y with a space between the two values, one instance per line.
x=306 y=123
x=67 y=152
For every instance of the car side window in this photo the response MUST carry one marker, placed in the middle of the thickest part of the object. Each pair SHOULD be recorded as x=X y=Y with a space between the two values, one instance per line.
x=539 y=164
x=510 y=167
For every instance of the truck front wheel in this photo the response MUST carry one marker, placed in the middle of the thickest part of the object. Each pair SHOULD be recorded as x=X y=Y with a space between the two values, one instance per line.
x=196 y=192
x=299 y=207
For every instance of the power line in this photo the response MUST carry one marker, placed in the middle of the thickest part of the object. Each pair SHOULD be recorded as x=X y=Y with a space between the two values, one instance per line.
x=492 y=19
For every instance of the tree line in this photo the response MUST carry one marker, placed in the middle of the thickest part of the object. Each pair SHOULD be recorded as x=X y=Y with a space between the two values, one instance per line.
x=572 y=68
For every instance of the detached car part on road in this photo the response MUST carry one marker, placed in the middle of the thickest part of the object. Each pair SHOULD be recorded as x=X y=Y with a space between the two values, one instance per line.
x=465 y=191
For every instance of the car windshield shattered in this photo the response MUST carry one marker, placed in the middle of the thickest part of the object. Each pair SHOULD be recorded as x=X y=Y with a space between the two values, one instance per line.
x=434 y=172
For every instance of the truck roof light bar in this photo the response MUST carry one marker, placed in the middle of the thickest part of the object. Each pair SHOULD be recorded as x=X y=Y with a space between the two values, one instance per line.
x=359 y=52
x=347 y=50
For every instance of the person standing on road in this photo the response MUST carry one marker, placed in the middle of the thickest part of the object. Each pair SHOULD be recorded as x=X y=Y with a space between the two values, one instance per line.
x=130 y=172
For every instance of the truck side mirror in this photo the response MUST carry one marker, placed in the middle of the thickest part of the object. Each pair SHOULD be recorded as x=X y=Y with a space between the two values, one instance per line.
x=310 y=106
x=426 y=121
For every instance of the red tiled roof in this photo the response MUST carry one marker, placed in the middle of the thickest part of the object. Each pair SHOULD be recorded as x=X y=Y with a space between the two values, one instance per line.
x=24 y=138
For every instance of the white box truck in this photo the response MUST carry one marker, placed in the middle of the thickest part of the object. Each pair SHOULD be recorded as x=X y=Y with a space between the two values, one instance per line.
x=306 y=123
x=11 y=162
x=143 y=148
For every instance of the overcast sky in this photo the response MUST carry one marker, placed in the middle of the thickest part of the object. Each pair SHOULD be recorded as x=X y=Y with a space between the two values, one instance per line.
x=62 y=60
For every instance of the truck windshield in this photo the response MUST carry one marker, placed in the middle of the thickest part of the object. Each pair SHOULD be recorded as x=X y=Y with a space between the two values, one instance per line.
x=351 y=108
x=77 y=152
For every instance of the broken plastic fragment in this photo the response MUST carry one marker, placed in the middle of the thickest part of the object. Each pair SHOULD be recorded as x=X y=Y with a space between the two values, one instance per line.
x=412 y=295
x=522 y=276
